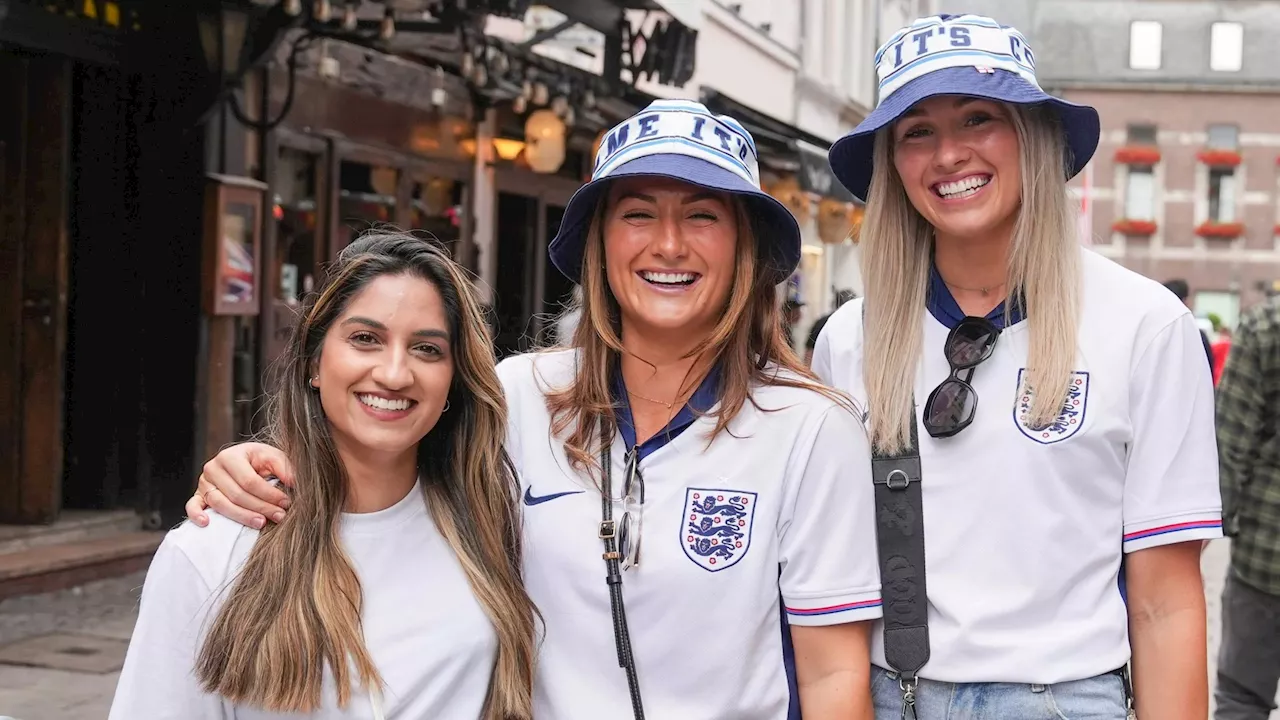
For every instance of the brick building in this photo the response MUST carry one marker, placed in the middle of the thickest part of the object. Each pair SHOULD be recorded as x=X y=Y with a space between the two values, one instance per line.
x=1186 y=180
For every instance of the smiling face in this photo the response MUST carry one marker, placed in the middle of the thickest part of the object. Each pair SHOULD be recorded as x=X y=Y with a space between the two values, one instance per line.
x=670 y=254
x=386 y=366
x=958 y=159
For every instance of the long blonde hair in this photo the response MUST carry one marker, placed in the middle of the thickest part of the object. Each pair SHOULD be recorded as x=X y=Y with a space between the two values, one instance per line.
x=748 y=343
x=294 y=610
x=1043 y=274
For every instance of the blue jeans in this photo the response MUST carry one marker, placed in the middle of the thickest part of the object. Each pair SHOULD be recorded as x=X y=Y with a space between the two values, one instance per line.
x=1096 y=698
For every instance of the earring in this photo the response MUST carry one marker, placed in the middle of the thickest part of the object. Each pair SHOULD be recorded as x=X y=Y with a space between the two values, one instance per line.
x=446 y=407
x=315 y=381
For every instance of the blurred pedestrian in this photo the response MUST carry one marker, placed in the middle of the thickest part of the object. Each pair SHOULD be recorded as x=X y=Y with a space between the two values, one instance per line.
x=1248 y=417
x=1182 y=290
x=1033 y=542
x=842 y=297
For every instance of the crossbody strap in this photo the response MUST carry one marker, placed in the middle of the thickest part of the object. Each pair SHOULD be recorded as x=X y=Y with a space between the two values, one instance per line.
x=613 y=576
x=900 y=545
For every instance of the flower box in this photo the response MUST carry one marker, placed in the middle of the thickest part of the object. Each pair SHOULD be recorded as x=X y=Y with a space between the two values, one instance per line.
x=1134 y=227
x=1138 y=155
x=1219 y=158
x=1220 y=231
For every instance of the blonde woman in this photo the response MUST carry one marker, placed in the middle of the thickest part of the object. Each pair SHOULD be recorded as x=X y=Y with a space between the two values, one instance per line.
x=392 y=589
x=691 y=494
x=1053 y=411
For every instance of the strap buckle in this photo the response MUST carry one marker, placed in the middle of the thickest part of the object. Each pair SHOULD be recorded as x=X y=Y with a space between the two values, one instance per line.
x=608 y=530
x=908 y=685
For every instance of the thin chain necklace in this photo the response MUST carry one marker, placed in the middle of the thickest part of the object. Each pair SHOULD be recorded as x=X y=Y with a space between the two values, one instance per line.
x=667 y=405
x=986 y=290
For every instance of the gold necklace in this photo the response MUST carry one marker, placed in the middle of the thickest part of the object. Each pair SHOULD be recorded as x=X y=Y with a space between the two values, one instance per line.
x=667 y=405
x=984 y=290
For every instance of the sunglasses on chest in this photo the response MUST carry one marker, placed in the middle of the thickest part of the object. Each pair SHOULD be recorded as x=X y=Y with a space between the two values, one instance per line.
x=952 y=405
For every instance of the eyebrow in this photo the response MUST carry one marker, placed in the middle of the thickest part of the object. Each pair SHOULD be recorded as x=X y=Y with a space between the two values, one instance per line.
x=959 y=103
x=368 y=322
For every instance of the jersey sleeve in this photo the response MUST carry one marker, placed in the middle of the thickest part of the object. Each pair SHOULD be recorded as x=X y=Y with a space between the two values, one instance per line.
x=158 y=680
x=830 y=569
x=1171 y=490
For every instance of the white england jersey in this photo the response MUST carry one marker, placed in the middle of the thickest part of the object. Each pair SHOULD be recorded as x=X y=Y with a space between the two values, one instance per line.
x=426 y=633
x=1026 y=529
x=776 y=510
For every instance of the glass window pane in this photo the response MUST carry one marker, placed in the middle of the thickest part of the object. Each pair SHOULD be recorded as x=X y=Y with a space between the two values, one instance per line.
x=1222 y=195
x=436 y=208
x=294 y=213
x=1223 y=137
x=1145 y=38
x=1142 y=135
x=1226 y=44
x=366 y=196
x=1139 y=200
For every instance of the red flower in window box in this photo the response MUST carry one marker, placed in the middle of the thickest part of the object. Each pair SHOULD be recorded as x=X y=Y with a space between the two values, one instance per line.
x=1134 y=227
x=1219 y=158
x=1220 y=231
x=1138 y=155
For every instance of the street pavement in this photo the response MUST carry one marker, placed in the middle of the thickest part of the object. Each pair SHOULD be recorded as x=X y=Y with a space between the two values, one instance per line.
x=87 y=628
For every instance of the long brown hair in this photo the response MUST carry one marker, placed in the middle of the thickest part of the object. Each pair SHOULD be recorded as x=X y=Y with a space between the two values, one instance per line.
x=748 y=344
x=294 y=609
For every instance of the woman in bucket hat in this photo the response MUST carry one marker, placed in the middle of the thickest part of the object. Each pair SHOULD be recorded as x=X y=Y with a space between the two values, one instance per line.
x=1062 y=517
x=745 y=483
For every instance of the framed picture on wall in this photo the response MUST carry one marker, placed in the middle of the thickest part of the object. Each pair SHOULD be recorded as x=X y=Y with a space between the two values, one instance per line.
x=233 y=281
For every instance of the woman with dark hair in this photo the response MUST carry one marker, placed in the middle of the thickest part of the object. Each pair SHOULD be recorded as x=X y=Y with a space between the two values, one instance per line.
x=678 y=419
x=393 y=586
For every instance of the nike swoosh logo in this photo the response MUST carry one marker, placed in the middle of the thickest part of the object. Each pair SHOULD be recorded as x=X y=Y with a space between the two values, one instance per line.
x=530 y=500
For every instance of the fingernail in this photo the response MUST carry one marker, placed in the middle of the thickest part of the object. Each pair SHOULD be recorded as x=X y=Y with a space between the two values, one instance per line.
x=278 y=517
x=202 y=520
x=258 y=522
x=285 y=503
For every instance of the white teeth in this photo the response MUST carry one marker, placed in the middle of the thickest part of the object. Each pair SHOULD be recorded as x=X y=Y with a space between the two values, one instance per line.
x=381 y=403
x=963 y=188
x=668 y=278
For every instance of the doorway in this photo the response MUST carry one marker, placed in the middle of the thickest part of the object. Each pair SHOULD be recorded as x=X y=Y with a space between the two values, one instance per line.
x=35 y=90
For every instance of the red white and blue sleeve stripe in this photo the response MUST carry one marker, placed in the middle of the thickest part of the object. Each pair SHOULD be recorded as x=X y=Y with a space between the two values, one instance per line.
x=1166 y=531
x=833 y=610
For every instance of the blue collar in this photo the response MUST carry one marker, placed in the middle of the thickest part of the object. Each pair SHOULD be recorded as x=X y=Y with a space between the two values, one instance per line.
x=943 y=306
x=703 y=399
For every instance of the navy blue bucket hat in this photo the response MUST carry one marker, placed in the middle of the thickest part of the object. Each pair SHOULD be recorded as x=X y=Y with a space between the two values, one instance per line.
x=684 y=141
x=966 y=55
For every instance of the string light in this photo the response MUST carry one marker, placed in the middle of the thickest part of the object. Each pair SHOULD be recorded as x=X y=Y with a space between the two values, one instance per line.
x=388 y=29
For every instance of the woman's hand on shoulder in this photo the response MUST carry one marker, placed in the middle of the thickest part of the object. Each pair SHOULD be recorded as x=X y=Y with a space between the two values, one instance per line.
x=237 y=484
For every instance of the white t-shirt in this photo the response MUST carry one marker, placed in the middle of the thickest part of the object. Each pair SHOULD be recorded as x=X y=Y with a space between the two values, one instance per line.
x=1025 y=530
x=427 y=635
x=780 y=504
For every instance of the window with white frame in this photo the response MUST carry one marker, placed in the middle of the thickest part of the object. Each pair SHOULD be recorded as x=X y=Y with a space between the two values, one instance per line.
x=1140 y=194
x=1226 y=46
x=1223 y=137
x=1222 y=194
x=1144 y=135
x=1145 y=41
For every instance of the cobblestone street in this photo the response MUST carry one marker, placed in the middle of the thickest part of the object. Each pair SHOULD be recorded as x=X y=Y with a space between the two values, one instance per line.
x=106 y=610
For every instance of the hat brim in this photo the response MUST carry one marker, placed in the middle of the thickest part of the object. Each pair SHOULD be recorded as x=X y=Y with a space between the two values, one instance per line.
x=775 y=228
x=851 y=157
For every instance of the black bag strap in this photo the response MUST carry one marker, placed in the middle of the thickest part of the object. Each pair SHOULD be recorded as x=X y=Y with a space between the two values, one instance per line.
x=900 y=544
x=613 y=574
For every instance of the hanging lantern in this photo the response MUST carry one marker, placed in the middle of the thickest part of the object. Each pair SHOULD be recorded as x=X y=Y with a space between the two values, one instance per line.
x=544 y=141
x=833 y=221
x=788 y=192
x=856 y=214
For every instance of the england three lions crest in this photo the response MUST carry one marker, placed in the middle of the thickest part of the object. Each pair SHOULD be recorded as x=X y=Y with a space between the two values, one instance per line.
x=716 y=531
x=1069 y=420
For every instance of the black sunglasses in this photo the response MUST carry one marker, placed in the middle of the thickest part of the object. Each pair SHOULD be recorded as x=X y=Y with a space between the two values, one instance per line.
x=952 y=405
